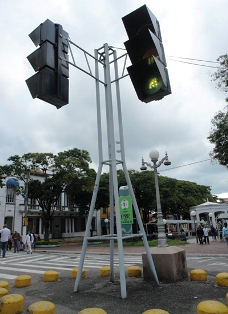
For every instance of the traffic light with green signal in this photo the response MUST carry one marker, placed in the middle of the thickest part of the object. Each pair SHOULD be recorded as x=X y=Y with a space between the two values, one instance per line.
x=50 y=83
x=148 y=71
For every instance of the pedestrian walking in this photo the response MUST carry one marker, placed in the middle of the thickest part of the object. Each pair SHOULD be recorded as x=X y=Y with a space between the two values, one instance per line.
x=200 y=234
x=225 y=233
x=16 y=241
x=9 y=246
x=34 y=241
x=5 y=234
x=213 y=233
x=28 y=241
x=206 y=236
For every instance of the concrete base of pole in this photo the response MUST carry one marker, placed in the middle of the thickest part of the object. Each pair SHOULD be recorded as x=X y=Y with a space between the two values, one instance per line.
x=170 y=264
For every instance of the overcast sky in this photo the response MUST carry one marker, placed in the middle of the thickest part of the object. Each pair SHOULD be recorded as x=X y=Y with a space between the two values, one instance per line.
x=179 y=123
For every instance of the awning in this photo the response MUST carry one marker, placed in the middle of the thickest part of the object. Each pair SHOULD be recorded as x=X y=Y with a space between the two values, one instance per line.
x=222 y=216
x=175 y=222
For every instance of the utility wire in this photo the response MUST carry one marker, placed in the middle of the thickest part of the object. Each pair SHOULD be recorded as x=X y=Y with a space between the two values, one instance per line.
x=194 y=59
x=170 y=58
x=196 y=162
x=201 y=65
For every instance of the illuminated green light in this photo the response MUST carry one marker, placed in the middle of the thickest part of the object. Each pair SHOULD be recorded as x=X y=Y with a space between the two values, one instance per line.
x=152 y=84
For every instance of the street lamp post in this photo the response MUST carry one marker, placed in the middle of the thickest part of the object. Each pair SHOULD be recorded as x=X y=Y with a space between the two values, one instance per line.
x=25 y=221
x=154 y=154
x=193 y=214
x=106 y=223
x=210 y=216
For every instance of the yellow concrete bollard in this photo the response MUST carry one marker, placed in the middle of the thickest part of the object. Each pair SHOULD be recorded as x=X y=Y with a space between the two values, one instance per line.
x=211 y=307
x=4 y=284
x=92 y=310
x=22 y=281
x=155 y=311
x=51 y=275
x=75 y=272
x=3 y=291
x=12 y=304
x=134 y=271
x=42 y=307
x=222 y=279
x=105 y=271
x=227 y=298
x=198 y=275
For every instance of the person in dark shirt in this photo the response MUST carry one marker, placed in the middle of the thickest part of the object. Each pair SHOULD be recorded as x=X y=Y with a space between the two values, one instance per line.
x=16 y=239
x=200 y=234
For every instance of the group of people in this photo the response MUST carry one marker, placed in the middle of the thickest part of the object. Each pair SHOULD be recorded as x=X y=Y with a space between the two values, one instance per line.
x=202 y=234
x=8 y=238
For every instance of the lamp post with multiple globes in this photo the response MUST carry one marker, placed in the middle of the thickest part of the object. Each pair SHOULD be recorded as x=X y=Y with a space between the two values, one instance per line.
x=193 y=214
x=154 y=155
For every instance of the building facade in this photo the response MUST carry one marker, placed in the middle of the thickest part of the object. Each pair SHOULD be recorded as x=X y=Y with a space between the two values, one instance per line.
x=208 y=212
x=66 y=220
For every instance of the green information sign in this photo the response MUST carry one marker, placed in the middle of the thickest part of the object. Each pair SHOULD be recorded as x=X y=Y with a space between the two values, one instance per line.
x=126 y=215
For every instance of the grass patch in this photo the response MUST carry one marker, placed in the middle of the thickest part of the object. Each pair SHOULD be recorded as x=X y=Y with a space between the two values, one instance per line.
x=155 y=243
x=50 y=242
x=132 y=242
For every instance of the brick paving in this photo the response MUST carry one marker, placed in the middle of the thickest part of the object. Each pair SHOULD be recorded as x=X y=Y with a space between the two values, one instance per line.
x=214 y=248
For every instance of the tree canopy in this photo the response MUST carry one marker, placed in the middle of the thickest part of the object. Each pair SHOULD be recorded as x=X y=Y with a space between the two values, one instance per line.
x=177 y=196
x=68 y=171
x=219 y=137
x=221 y=75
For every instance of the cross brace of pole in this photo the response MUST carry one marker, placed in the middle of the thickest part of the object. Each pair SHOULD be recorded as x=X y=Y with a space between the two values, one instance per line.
x=103 y=55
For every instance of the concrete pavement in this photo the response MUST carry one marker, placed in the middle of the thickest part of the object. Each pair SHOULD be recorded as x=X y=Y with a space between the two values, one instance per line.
x=181 y=297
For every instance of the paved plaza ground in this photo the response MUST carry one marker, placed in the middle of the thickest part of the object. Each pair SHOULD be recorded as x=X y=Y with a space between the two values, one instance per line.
x=181 y=297
x=215 y=247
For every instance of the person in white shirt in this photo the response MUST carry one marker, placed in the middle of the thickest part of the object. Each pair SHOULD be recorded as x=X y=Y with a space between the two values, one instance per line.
x=206 y=236
x=29 y=240
x=5 y=234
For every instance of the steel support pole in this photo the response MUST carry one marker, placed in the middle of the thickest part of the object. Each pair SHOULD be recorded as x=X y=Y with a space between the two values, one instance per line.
x=87 y=232
x=113 y=180
x=97 y=181
x=122 y=151
x=111 y=226
x=111 y=143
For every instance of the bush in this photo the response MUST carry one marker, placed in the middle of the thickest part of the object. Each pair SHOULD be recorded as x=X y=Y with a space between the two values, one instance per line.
x=50 y=242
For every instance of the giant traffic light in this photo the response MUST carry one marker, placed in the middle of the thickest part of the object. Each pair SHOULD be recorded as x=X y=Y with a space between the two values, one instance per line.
x=148 y=71
x=50 y=83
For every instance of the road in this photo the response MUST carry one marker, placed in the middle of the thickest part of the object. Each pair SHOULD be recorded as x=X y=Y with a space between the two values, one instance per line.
x=209 y=263
x=63 y=262
x=37 y=263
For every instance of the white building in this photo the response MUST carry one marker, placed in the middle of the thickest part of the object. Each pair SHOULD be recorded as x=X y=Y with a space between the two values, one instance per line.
x=66 y=222
x=209 y=212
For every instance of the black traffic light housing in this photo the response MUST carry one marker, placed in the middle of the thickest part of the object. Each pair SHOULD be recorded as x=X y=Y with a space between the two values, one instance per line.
x=50 y=83
x=148 y=71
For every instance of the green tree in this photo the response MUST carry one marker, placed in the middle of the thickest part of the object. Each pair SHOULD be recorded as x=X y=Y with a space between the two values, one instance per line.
x=221 y=75
x=61 y=172
x=47 y=194
x=177 y=196
x=80 y=189
x=103 y=192
x=219 y=137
